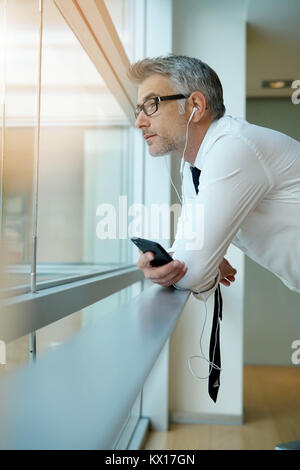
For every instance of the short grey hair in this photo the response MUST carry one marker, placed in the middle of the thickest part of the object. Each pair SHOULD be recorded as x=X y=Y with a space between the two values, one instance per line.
x=188 y=74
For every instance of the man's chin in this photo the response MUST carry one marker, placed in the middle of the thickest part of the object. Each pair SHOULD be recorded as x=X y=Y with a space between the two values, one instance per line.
x=156 y=152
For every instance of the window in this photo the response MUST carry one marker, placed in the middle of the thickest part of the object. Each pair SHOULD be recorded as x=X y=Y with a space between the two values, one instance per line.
x=68 y=153
x=84 y=156
x=67 y=143
x=19 y=43
x=83 y=151
x=123 y=14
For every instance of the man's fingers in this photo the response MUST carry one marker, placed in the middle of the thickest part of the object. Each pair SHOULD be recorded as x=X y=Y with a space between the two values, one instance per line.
x=165 y=275
x=171 y=279
x=166 y=272
x=170 y=269
x=227 y=272
x=225 y=282
x=230 y=272
x=145 y=260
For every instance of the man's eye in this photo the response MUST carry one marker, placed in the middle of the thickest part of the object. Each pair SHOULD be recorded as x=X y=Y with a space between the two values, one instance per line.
x=150 y=106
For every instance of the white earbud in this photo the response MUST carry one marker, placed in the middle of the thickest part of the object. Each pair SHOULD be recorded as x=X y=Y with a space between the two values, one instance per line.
x=192 y=113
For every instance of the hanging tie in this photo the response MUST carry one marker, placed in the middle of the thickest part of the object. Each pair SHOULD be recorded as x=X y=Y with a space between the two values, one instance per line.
x=196 y=176
x=214 y=346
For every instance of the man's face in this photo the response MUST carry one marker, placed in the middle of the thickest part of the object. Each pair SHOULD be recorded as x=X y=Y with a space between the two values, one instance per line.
x=164 y=131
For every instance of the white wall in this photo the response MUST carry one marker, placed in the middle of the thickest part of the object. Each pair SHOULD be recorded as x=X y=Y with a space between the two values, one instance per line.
x=215 y=32
x=158 y=42
x=265 y=295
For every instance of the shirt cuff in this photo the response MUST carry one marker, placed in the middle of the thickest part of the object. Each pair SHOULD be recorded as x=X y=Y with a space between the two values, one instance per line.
x=206 y=294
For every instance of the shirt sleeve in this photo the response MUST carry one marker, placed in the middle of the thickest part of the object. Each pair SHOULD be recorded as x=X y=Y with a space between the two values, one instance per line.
x=204 y=295
x=232 y=183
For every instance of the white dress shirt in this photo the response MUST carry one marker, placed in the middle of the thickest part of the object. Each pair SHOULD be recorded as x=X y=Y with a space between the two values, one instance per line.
x=250 y=194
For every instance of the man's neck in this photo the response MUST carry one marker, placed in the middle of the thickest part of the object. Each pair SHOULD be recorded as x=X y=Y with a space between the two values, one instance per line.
x=195 y=138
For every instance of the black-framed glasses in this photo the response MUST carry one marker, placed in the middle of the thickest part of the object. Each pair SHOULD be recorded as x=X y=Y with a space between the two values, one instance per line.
x=150 y=106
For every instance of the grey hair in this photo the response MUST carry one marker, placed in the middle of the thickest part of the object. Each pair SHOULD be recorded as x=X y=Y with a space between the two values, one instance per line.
x=188 y=74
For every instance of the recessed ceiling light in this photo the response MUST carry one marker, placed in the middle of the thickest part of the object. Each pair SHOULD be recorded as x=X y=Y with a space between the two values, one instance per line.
x=277 y=84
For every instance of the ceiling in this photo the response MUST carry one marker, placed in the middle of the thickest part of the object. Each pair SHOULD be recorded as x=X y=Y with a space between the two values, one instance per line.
x=273 y=45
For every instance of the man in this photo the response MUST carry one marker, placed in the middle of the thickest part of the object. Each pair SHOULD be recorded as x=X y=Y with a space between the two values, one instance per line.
x=250 y=176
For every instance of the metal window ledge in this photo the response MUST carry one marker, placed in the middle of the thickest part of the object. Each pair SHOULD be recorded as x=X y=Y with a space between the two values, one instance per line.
x=23 y=314
x=63 y=274
x=76 y=396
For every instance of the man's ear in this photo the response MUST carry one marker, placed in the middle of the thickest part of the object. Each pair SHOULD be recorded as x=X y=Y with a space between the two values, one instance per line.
x=198 y=113
x=199 y=102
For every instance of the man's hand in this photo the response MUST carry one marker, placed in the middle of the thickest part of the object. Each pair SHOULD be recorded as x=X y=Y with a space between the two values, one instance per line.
x=165 y=275
x=227 y=273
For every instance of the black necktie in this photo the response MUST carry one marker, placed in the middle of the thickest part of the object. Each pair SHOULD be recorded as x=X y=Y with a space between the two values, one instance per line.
x=214 y=346
x=196 y=176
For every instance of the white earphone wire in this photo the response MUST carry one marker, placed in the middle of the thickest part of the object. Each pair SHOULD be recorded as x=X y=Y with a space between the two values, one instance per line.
x=182 y=160
x=212 y=365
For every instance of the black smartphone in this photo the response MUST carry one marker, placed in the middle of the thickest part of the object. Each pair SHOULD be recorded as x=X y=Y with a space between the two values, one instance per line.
x=161 y=255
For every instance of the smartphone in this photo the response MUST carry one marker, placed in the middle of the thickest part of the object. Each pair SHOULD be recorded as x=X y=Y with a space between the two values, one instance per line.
x=161 y=256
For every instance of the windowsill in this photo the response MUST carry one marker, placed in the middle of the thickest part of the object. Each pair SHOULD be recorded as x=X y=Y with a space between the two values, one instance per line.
x=78 y=395
x=27 y=312
x=54 y=274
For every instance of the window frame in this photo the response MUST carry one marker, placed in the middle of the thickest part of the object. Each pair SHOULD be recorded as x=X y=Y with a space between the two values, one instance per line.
x=20 y=313
x=92 y=25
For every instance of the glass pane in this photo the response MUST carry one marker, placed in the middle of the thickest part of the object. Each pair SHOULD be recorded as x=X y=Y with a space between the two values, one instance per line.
x=15 y=354
x=93 y=313
x=19 y=26
x=84 y=159
x=122 y=13
x=51 y=336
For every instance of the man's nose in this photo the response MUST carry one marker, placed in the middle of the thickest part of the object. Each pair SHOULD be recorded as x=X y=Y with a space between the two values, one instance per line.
x=142 y=120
